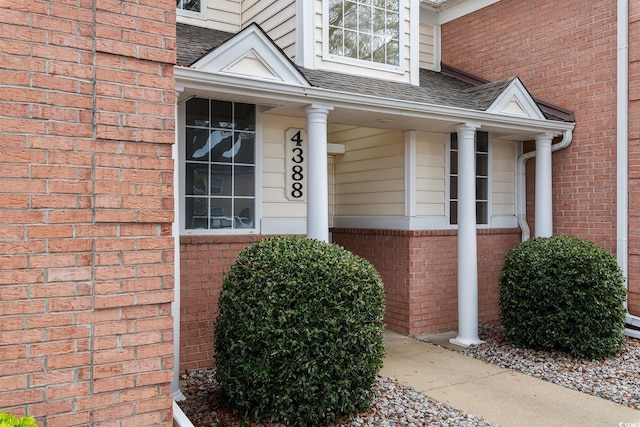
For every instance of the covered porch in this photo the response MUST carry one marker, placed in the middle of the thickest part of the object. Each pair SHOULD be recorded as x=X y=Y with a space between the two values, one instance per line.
x=379 y=179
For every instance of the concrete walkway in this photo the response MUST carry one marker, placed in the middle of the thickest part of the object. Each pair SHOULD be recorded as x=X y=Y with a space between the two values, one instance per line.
x=498 y=395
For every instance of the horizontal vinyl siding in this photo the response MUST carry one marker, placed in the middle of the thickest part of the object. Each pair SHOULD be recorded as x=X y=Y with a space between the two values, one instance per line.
x=274 y=202
x=223 y=15
x=431 y=174
x=427 y=46
x=369 y=177
x=503 y=178
x=276 y=17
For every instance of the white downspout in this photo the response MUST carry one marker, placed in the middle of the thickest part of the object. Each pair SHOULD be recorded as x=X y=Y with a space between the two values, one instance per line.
x=622 y=148
x=521 y=178
x=175 y=305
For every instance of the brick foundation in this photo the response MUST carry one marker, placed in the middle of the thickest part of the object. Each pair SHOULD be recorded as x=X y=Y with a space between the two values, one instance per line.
x=419 y=271
x=204 y=260
x=418 y=268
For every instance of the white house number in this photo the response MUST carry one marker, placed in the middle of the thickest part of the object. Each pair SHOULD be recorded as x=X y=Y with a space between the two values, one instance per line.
x=296 y=164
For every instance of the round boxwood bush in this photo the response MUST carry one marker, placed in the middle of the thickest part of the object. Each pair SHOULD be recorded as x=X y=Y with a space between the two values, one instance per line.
x=299 y=337
x=563 y=293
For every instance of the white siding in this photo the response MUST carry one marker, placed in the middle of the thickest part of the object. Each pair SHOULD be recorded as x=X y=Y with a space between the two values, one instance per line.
x=427 y=46
x=369 y=177
x=431 y=174
x=503 y=182
x=275 y=204
x=274 y=201
x=276 y=17
x=223 y=15
x=362 y=68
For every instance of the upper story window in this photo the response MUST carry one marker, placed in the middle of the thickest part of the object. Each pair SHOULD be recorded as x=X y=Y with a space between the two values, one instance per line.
x=192 y=8
x=219 y=171
x=367 y=30
x=482 y=179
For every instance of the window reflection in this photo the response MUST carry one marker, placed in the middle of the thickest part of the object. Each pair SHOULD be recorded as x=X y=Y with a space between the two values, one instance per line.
x=220 y=164
x=365 y=29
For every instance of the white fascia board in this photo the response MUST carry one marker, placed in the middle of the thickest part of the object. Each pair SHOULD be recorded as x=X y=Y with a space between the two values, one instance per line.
x=462 y=9
x=276 y=92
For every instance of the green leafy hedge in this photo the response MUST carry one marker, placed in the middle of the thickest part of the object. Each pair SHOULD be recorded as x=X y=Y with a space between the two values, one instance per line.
x=9 y=420
x=299 y=333
x=563 y=293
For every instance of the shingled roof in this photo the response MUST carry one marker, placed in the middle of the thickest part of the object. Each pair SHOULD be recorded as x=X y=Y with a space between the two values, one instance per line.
x=436 y=88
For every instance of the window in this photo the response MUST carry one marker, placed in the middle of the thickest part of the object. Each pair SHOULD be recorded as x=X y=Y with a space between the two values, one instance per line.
x=368 y=30
x=482 y=179
x=220 y=167
x=193 y=8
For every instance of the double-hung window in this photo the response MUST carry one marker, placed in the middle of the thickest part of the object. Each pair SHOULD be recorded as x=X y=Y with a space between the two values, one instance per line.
x=220 y=167
x=192 y=8
x=366 y=30
x=482 y=178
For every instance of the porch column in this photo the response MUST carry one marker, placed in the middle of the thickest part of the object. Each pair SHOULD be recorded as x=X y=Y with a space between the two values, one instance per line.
x=543 y=211
x=317 y=175
x=467 y=245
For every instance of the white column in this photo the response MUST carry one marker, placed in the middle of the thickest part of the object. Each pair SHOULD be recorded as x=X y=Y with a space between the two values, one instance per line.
x=543 y=211
x=317 y=175
x=467 y=245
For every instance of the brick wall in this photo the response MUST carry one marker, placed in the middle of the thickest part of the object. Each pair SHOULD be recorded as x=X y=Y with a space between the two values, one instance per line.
x=418 y=268
x=565 y=53
x=86 y=253
x=420 y=273
x=204 y=260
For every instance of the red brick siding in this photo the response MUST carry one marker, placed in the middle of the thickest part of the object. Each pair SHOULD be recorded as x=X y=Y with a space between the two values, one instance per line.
x=419 y=271
x=204 y=260
x=86 y=253
x=565 y=53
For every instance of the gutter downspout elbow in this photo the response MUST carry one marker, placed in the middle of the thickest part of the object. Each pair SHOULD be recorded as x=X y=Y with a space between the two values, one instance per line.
x=521 y=182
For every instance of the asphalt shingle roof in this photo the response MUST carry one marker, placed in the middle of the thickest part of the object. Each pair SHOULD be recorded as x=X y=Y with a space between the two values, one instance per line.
x=435 y=88
x=192 y=43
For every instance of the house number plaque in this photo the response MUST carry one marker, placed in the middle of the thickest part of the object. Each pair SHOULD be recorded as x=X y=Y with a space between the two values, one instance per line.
x=296 y=164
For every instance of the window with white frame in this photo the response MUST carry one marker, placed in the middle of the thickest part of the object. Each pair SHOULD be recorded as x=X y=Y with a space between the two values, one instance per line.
x=192 y=8
x=482 y=178
x=219 y=171
x=367 y=30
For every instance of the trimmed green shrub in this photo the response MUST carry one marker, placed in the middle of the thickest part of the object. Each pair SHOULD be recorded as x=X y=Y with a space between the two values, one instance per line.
x=9 y=420
x=563 y=293
x=299 y=337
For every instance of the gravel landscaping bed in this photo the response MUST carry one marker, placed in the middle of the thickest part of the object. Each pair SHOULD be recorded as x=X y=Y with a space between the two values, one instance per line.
x=616 y=379
x=393 y=405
